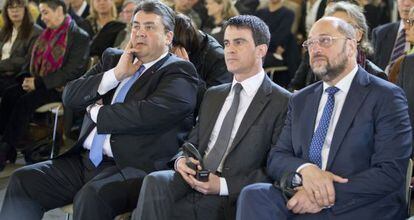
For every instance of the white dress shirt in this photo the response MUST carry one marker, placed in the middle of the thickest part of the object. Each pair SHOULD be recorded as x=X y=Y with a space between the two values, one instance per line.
x=343 y=85
x=81 y=9
x=311 y=14
x=109 y=82
x=7 y=47
x=250 y=87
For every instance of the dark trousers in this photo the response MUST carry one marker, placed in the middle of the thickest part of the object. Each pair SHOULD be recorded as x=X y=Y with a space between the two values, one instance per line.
x=16 y=108
x=96 y=193
x=262 y=201
x=165 y=195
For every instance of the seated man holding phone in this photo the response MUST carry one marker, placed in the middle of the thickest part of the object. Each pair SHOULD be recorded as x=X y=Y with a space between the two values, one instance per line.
x=227 y=149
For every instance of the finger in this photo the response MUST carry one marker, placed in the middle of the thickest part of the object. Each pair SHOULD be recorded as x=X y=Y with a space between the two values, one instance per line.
x=187 y=179
x=292 y=203
x=298 y=208
x=331 y=193
x=309 y=191
x=194 y=161
x=339 y=179
x=318 y=197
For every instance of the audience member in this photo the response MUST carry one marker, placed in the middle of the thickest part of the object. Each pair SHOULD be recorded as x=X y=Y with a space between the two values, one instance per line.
x=220 y=11
x=16 y=40
x=348 y=137
x=59 y=55
x=283 y=49
x=389 y=39
x=353 y=15
x=132 y=127
x=186 y=7
x=125 y=16
x=312 y=10
x=246 y=7
x=237 y=123
x=102 y=20
x=80 y=7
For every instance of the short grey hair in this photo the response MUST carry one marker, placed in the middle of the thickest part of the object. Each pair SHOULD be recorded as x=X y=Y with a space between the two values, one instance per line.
x=355 y=13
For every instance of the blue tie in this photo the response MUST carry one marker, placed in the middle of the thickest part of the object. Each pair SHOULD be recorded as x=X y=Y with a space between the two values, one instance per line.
x=315 y=150
x=95 y=154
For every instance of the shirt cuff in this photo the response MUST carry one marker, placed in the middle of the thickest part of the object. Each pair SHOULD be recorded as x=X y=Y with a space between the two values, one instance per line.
x=176 y=162
x=296 y=180
x=93 y=111
x=224 y=191
x=108 y=82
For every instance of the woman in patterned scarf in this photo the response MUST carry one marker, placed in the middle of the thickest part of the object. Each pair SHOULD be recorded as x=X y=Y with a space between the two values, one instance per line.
x=59 y=55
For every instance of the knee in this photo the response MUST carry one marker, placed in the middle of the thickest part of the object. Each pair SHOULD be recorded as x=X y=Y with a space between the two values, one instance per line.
x=157 y=179
x=87 y=194
x=254 y=192
x=20 y=177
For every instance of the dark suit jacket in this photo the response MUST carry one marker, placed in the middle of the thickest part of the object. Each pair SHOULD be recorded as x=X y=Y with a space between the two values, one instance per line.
x=383 y=39
x=20 y=53
x=371 y=146
x=74 y=60
x=406 y=82
x=156 y=114
x=260 y=127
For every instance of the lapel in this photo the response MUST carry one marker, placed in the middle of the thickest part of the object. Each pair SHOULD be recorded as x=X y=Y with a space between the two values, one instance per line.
x=143 y=79
x=357 y=93
x=308 y=117
x=256 y=107
x=214 y=108
x=389 y=39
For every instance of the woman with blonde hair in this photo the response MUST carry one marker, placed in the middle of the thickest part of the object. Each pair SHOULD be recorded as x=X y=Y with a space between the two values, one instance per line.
x=219 y=11
x=103 y=22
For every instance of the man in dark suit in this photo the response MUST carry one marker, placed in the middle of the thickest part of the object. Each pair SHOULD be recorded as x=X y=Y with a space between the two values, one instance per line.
x=389 y=39
x=349 y=138
x=242 y=132
x=136 y=116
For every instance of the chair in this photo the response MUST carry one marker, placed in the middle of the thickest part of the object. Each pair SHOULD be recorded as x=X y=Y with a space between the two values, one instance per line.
x=408 y=187
x=271 y=71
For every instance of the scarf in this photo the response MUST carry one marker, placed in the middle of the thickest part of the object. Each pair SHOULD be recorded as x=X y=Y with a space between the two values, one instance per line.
x=49 y=49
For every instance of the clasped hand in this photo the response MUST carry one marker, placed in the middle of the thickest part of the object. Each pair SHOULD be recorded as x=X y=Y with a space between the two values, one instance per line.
x=212 y=186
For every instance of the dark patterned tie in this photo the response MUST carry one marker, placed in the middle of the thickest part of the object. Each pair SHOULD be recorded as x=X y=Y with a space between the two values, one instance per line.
x=399 y=48
x=315 y=149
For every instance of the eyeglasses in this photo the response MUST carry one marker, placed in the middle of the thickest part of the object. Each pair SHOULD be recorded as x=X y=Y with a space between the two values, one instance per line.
x=323 y=41
x=410 y=22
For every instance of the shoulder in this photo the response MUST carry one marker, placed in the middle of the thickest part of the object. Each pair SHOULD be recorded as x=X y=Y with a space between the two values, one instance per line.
x=385 y=27
x=277 y=91
x=78 y=32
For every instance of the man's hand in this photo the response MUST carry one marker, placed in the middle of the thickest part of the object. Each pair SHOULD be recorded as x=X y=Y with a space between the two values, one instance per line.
x=212 y=186
x=300 y=203
x=127 y=65
x=180 y=52
x=319 y=185
x=185 y=171
x=28 y=84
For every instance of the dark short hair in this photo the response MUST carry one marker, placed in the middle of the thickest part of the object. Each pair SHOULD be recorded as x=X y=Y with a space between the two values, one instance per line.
x=259 y=28
x=158 y=8
x=54 y=4
x=185 y=34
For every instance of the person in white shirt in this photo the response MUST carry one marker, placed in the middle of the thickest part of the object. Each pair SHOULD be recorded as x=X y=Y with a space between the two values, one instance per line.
x=236 y=126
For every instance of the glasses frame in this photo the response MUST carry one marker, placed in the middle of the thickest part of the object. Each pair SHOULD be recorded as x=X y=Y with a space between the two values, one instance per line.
x=311 y=42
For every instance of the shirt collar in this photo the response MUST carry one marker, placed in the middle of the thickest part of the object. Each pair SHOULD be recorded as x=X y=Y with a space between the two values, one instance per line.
x=345 y=83
x=149 y=64
x=251 y=84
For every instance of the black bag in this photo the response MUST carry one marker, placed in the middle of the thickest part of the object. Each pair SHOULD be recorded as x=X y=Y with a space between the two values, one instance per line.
x=288 y=183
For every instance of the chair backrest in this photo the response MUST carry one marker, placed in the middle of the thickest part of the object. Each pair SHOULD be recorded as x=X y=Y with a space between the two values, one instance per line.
x=408 y=186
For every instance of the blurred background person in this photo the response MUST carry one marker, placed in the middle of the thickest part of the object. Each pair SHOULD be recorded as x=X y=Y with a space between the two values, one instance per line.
x=104 y=24
x=353 y=14
x=80 y=7
x=219 y=11
x=186 y=7
x=16 y=40
x=203 y=51
x=125 y=16
x=59 y=55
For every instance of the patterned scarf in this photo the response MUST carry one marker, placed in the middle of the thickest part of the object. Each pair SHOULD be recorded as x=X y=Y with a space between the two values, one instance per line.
x=49 y=49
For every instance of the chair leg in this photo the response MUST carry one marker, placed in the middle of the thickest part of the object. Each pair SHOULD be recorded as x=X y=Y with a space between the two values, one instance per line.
x=67 y=216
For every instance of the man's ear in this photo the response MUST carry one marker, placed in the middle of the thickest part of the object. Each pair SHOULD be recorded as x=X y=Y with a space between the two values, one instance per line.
x=169 y=38
x=261 y=50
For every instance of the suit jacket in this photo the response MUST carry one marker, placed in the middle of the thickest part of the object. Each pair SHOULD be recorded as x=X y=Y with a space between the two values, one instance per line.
x=74 y=60
x=156 y=114
x=371 y=146
x=260 y=127
x=383 y=39
x=302 y=22
x=20 y=53
x=406 y=81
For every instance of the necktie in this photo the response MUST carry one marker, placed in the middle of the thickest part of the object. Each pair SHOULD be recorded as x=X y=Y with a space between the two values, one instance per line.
x=95 y=154
x=213 y=158
x=319 y=136
x=399 y=48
